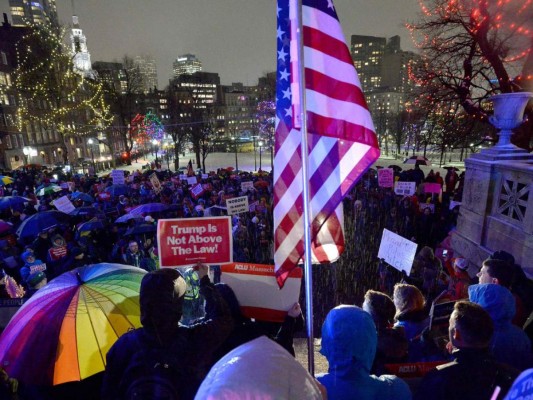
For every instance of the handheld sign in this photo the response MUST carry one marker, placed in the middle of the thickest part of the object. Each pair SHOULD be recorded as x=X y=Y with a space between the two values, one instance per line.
x=397 y=251
x=186 y=241
x=237 y=205
x=64 y=204
x=432 y=188
x=248 y=185
x=405 y=188
x=156 y=185
x=423 y=206
x=257 y=290
x=386 y=177
x=118 y=177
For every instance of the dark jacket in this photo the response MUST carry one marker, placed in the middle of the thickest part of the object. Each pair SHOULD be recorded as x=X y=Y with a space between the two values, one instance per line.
x=191 y=346
x=473 y=375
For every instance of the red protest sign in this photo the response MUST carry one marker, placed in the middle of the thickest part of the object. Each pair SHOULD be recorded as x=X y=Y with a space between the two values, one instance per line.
x=186 y=241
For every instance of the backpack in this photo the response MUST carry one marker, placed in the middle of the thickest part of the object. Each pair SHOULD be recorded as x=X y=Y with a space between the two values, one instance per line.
x=153 y=374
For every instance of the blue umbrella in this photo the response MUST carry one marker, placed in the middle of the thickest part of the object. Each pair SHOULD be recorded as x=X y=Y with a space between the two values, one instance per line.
x=81 y=196
x=12 y=201
x=91 y=226
x=117 y=190
x=83 y=211
x=127 y=217
x=141 y=229
x=39 y=222
x=149 y=208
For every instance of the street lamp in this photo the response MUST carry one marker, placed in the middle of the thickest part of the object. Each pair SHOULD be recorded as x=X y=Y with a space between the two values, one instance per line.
x=90 y=142
x=155 y=143
x=29 y=152
x=234 y=139
x=260 y=152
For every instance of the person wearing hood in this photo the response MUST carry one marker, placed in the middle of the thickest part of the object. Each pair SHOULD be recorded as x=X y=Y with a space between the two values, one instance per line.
x=349 y=342
x=57 y=254
x=510 y=344
x=411 y=314
x=184 y=351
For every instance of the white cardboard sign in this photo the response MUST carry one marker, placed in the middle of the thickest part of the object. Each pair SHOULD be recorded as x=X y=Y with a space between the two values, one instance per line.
x=397 y=251
x=237 y=205
x=405 y=188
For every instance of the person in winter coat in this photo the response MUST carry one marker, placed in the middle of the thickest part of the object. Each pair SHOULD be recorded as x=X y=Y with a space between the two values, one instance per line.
x=33 y=272
x=349 y=341
x=474 y=373
x=260 y=369
x=186 y=351
x=427 y=269
x=411 y=314
x=392 y=345
x=509 y=344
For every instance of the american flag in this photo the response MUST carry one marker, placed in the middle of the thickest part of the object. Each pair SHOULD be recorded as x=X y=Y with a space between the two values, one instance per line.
x=342 y=144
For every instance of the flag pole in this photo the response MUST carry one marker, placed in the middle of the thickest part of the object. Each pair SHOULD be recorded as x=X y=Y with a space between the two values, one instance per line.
x=308 y=275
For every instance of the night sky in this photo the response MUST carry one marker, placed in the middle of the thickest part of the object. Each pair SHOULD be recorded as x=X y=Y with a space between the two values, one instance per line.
x=236 y=38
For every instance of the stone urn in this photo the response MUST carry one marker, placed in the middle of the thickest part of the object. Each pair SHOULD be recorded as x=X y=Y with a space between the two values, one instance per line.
x=508 y=115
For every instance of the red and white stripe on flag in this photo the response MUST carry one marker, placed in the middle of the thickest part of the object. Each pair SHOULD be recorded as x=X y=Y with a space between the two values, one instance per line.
x=342 y=143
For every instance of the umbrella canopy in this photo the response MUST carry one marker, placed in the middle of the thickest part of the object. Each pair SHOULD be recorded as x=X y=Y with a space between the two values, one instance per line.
x=12 y=201
x=117 y=190
x=64 y=331
x=86 y=211
x=396 y=168
x=48 y=190
x=91 y=226
x=451 y=167
x=141 y=229
x=126 y=217
x=5 y=227
x=39 y=222
x=417 y=160
x=81 y=196
x=149 y=208
x=5 y=180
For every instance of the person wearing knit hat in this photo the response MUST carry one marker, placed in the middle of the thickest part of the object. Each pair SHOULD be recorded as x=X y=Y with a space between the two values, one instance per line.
x=459 y=282
x=32 y=272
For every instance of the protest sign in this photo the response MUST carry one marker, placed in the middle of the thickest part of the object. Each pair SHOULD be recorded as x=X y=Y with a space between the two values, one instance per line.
x=191 y=180
x=397 y=251
x=64 y=204
x=156 y=185
x=187 y=241
x=386 y=177
x=405 y=188
x=432 y=188
x=237 y=205
x=258 y=292
x=118 y=176
x=197 y=190
x=423 y=206
x=248 y=185
x=183 y=177
x=205 y=176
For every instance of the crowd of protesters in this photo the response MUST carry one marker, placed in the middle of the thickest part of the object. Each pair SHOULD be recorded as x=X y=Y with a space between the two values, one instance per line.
x=483 y=346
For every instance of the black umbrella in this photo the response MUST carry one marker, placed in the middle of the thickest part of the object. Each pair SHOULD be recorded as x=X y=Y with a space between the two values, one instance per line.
x=396 y=168
x=141 y=229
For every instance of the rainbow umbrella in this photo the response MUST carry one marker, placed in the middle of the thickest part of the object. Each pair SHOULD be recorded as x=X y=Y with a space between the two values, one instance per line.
x=5 y=180
x=64 y=331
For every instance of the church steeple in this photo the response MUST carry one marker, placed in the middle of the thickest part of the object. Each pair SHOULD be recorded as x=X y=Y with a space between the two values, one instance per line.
x=82 y=57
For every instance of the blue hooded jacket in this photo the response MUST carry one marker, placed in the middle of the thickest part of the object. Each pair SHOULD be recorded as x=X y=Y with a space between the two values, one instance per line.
x=510 y=344
x=349 y=341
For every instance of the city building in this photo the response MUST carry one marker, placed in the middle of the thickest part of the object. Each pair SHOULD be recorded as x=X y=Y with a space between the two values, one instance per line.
x=81 y=55
x=148 y=70
x=383 y=70
x=186 y=64
x=24 y=12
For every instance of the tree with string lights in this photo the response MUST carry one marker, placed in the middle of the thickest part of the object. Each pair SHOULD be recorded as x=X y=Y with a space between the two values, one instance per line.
x=51 y=95
x=472 y=49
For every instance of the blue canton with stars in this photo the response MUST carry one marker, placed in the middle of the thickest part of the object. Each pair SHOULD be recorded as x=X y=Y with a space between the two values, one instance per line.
x=283 y=88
